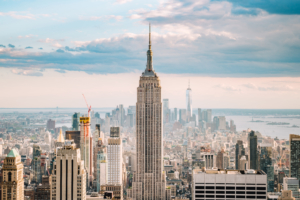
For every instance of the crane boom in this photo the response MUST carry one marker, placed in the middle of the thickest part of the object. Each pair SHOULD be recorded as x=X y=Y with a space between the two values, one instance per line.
x=87 y=105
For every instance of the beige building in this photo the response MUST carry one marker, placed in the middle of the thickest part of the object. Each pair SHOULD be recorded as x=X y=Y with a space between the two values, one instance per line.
x=12 y=185
x=149 y=179
x=69 y=175
x=286 y=195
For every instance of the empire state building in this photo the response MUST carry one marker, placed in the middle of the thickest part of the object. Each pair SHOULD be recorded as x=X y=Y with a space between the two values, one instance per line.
x=149 y=179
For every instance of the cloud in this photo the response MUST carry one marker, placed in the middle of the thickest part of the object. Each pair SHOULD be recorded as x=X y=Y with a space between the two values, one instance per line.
x=60 y=71
x=53 y=42
x=27 y=72
x=269 y=88
x=227 y=88
x=27 y=36
x=122 y=1
x=11 y=46
x=1 y=45
x=28 y=47
x=41 y=48
x=18 y=15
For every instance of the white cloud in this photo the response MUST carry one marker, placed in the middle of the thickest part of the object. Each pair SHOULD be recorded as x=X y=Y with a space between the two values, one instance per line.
x=106 y=17
x=27 y=36
x=18 y=15
x=53 y=42
x=122 y=1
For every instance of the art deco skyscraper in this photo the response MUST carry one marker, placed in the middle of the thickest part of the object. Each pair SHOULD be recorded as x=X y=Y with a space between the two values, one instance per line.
x=69 y=175
x=189 y=110
x=12 y=185
x=149 y=180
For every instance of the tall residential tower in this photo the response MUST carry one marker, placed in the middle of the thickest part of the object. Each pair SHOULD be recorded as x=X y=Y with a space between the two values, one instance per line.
x=149 y=180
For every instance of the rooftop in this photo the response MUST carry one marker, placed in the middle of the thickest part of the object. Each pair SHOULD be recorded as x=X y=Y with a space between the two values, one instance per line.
x=13 y=153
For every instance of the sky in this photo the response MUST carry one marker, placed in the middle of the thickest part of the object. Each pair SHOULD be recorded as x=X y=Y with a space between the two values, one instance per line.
x=236 y=54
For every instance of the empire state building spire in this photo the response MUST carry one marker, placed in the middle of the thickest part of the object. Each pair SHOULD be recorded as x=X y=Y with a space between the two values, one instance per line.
x=149 y=67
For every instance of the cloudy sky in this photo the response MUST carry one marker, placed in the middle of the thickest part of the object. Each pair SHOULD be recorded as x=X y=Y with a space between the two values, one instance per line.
x=237 y=54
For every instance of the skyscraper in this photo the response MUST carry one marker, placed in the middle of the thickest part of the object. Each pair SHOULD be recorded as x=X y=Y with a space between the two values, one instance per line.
x=69 y=175
x=166 y=111
x=239 y=152
x=114 y=165
x=12 y=184
x=189 y=110
x=199 y=117
x=85 y=137
x=175 y=114
x=253 y=150
x=100 y=171
x=295 y=156
x=75 y=121
x=149 y=181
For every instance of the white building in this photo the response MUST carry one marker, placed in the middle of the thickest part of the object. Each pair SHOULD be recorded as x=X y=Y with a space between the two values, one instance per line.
x=114 y=157
x=69 y=174
x=292 y=184
x=229 y=184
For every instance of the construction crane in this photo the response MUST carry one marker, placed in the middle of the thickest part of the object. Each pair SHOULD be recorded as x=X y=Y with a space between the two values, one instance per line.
x=89 y=107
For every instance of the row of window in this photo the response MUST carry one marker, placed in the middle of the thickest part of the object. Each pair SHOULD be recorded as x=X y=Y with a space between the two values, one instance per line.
x=231 y=196
x=229 y=188
x=228 y=192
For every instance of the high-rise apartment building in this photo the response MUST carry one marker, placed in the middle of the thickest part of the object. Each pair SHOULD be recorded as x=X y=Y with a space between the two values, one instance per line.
x=85 y=144
x=295 y=156
x=222 y=123
x=100 y=162
x=252 y=144
x=12 y=183
x=239 y=152
x=75 y=121
x=208 y=115
x=266 y=164
x=175 y=114
x=189 y=109
x=69 y=175
x=149 y=180
x=50 y=124
x=229 y=184
x=199 y=117
x=166 y=111
x=114 y=165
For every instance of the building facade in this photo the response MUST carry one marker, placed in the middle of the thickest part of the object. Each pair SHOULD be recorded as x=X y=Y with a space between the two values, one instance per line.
x=12 y=185
x=229 y=184
x=189 y=109
x=253 y=150
x=295 y=156
x=69 y=174
x=149 y=179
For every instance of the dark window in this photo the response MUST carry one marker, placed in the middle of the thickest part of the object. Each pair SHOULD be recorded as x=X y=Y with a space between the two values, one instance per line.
x=250 y=197
x=210 y=192
x=261 y=197
x=210 y=196
x=240 y=188
x=230 y=192
x=199 y=187
x=261 y=188
x=250 y=188
x=9 y=176
x=230 y=196
x=197 y=191
x=210 y=187
x=240 y=197
x=250 y=192
x=220 y=188
x=199 y=195
x=220 y=192
x=220 y=196
x=240 y=192
x=261 y=192
x=230 y=188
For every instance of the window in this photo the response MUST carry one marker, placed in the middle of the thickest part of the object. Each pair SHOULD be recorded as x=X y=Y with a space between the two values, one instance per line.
x=220 y=188
x=261 y=188
x=9 y=176
x=250 y=188
x=230 y=188
x=210 y=187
